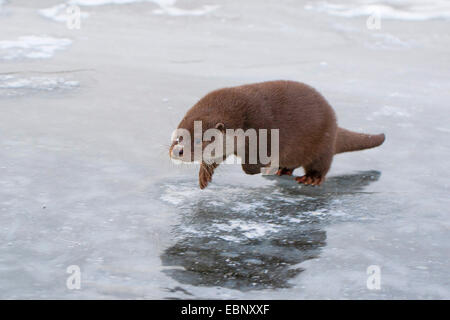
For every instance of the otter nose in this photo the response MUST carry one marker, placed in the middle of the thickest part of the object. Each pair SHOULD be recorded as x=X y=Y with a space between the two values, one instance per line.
x=177 y=151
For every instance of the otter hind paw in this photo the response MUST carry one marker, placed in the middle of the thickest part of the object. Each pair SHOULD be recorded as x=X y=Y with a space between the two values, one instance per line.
x=310 y=180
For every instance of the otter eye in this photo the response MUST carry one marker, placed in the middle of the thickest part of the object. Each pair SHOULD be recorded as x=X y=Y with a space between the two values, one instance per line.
x=179 y=139
x=198 y=141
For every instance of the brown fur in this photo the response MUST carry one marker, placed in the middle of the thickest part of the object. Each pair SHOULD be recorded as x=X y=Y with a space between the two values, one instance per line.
x=308 y=133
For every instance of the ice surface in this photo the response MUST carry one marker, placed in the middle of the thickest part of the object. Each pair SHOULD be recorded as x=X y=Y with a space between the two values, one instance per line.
x=85 y=177
x=32 y=47
x=13 y=85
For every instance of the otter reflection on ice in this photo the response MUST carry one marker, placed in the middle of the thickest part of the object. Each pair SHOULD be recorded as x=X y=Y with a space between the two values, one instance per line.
x=233 y=243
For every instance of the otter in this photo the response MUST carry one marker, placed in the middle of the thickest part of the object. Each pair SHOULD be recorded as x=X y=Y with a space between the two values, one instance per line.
x=309 y=136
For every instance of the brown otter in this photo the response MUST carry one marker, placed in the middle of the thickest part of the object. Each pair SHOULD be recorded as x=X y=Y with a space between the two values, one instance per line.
x=308 y=133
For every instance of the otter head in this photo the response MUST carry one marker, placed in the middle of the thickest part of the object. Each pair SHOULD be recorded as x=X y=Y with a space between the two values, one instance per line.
x=198 y=140
x=201 y=134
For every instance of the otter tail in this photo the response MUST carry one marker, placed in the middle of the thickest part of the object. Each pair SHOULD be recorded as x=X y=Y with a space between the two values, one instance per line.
x=352 y=141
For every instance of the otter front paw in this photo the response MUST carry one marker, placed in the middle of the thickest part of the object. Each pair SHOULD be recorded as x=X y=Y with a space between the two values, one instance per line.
x=205 y=174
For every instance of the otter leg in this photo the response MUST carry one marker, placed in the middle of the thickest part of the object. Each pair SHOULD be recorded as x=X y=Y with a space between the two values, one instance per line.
x=284 y=171
x=315 y=171
x=251 y=168
x=205 y=174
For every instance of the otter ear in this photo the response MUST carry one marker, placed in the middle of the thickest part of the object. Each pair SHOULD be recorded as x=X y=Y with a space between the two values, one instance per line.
x=220 y=126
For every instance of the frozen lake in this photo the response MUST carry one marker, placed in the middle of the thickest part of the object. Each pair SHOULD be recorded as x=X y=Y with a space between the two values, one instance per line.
x=85 y=178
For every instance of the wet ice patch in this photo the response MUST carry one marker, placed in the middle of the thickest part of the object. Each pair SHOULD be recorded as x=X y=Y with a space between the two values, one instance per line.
x=12 y=85
x=241 y=209
x=32 y=47
x=241 y=214
x=246 y=229
x=251 y=238
x=403 y=10
x=248 y=207
x=236 y=237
